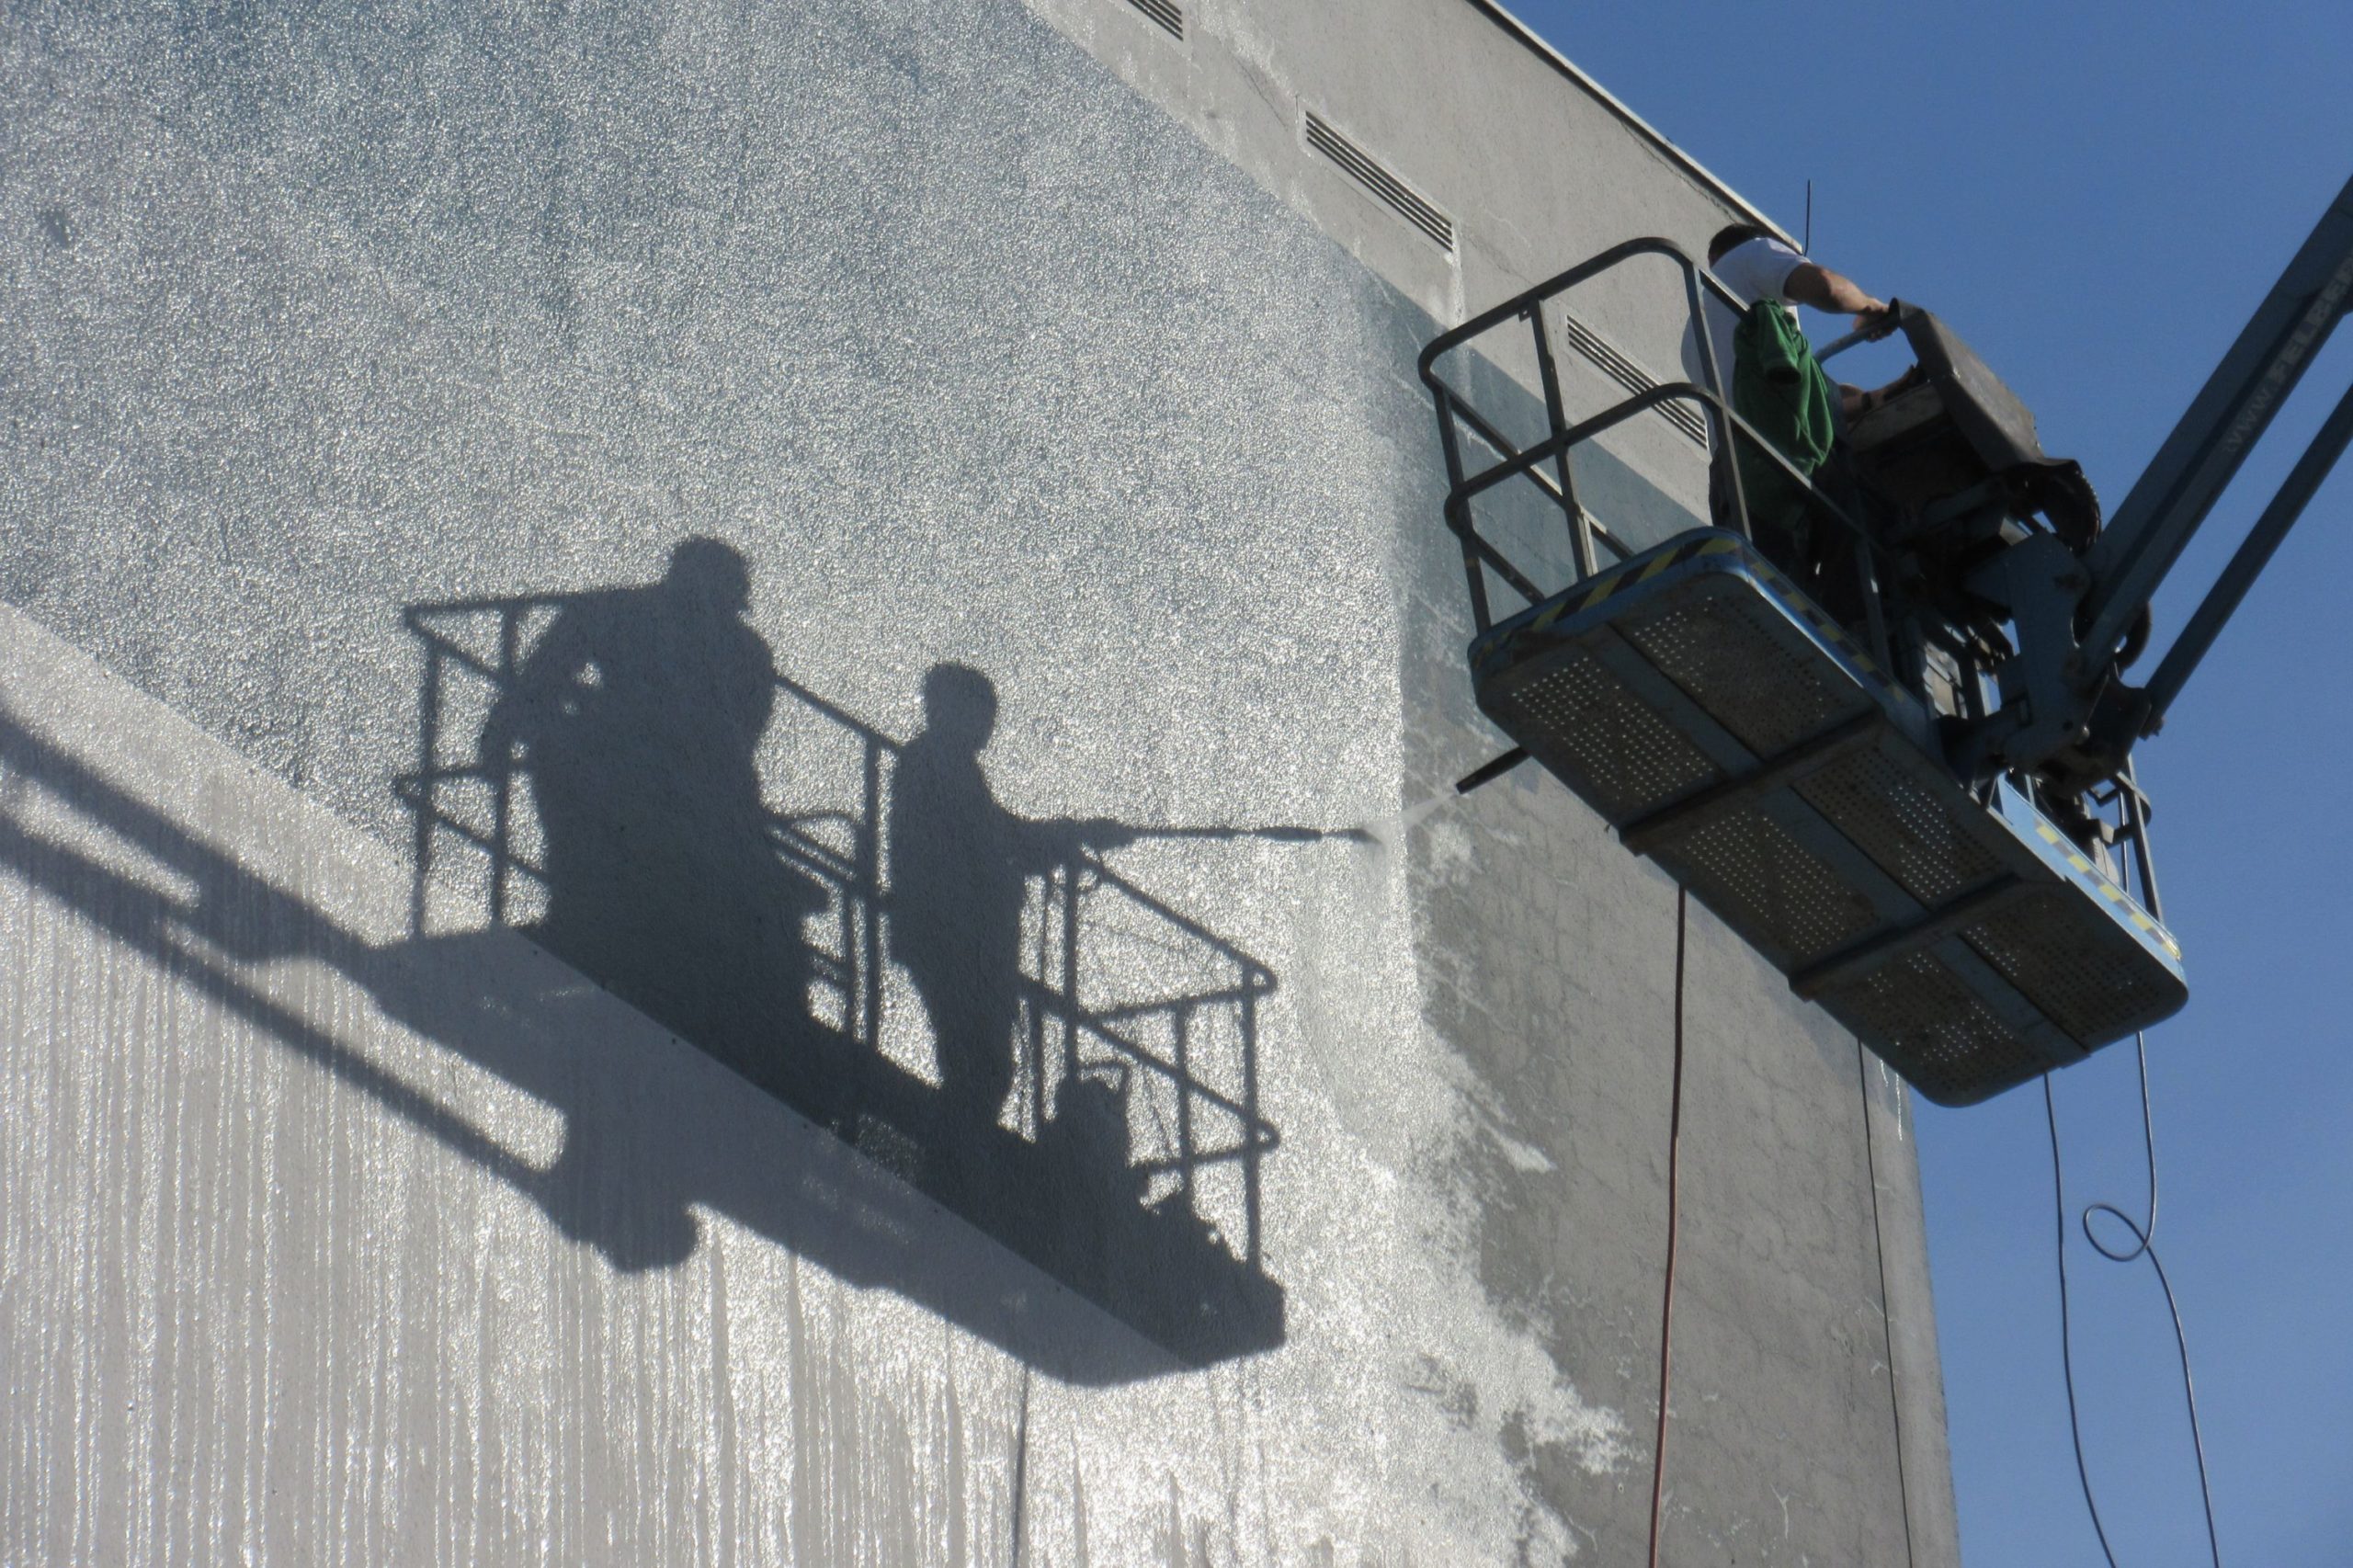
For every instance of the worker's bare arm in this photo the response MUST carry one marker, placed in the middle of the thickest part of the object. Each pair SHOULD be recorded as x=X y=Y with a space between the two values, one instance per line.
x=1813 y=284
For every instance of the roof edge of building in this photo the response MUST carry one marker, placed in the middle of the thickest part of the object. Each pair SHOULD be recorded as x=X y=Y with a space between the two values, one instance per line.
x=1534 y=42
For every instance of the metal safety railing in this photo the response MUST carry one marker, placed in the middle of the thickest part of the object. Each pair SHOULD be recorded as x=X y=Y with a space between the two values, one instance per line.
x=1461 y=424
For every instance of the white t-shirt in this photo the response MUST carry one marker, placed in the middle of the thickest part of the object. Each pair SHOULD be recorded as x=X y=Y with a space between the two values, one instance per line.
x=1754 y=269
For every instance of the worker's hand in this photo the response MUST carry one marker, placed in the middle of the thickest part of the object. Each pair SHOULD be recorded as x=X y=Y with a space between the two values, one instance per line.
x=1102 y=833
x=1875 y=319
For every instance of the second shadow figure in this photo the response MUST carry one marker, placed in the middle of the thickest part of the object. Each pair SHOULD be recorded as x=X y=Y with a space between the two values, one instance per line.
x=960 y=870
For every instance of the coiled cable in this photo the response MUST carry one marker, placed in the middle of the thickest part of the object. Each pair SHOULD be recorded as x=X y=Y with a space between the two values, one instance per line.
x=2143 y=1245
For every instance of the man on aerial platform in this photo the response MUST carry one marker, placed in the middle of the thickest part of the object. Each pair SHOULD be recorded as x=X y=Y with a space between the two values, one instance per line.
x=1753 y=263
x=1777 y=386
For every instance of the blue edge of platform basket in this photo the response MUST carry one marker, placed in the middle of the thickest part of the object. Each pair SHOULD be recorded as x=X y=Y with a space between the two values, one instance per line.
x=1580 y=612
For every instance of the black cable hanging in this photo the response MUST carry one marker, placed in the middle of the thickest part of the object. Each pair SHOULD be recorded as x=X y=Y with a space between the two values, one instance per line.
x=1886 y=1314
x=2143 y=1245
x=1674 y=1166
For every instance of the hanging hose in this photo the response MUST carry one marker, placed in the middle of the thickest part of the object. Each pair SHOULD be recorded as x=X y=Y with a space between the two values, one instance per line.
x=1886 y=1314
x=1674 y=1164
x=2143 y=1244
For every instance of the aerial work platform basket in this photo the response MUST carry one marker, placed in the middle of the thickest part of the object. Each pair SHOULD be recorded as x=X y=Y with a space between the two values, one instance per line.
x=1772 y=763
x=1736 y=735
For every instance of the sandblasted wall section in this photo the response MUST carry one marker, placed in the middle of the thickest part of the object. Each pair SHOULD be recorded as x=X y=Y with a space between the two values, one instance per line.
x=725 y=732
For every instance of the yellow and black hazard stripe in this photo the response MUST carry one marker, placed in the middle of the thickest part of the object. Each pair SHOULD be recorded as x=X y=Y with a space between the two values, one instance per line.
x=1492 y=647
x=2141 y=918
x=1576 y=601
x=1814 y=616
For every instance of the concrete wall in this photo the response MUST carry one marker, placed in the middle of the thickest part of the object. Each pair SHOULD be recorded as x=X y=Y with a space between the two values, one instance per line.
x=725 y=837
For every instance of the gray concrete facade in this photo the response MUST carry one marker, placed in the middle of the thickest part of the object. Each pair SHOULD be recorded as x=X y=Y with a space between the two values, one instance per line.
x=725 y=832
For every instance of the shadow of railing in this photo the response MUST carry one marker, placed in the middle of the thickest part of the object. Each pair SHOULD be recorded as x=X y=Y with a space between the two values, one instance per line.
x=1128 y=1161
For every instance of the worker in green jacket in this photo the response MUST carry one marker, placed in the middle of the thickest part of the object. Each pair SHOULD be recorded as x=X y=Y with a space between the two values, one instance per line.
x=1753 y=263
x=1782 y=391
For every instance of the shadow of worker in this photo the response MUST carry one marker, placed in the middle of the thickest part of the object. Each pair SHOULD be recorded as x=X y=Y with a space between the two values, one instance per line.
x=961 y=868
x=637 y=719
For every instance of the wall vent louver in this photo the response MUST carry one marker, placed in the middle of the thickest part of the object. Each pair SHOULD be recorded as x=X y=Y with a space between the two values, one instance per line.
x=1630 y=376
x=1167 y=13
x=1392 y=190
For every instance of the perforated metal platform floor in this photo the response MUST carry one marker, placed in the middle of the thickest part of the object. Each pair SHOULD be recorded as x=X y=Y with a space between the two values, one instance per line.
x=1734 y=734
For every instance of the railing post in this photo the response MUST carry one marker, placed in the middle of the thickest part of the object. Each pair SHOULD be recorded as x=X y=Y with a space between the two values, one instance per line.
x=1249 y=1117
x=1180 y=1023
x=1727 y=468
x=427 y=780
x=502 y=802
x=2136 y=812
x=1029 y=1011
x=1457 y=512
x=868 y=977
x=1074 y=868
x=1549 y=372
x=1874 y=615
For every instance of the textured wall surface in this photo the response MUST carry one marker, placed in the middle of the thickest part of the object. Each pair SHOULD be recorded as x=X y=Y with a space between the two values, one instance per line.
x=725 y=839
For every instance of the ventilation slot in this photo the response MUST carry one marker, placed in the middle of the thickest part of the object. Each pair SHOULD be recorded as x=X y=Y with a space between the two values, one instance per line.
x=1630 y=376
x=1167 y=13
x=1380 y=181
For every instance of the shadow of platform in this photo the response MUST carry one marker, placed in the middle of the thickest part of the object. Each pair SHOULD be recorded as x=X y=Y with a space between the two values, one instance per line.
x=590 y=770
x=652 y=1130
x=589 y=803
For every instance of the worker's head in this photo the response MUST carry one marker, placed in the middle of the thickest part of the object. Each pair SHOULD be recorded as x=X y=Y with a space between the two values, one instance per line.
x=959 y=705
x=713 y=572
x=1736 y=235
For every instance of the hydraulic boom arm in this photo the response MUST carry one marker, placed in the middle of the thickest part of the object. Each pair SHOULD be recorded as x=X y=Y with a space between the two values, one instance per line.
x=2189 y=473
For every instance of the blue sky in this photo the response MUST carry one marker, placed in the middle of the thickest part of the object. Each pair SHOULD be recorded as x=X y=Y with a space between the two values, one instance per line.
x=2096 y=197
